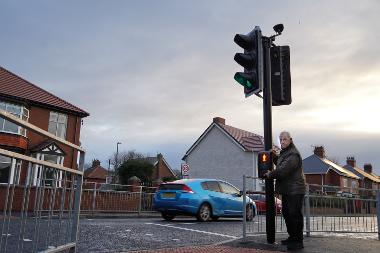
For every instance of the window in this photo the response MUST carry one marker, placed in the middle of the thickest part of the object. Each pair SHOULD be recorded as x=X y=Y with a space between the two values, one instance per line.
x=57 y=124
x=50 y=175
x=354 y=184
x=213 y=186
x=8 y=168
x=16 y=110
x=5 y=168
x=46 y=176
x=228 y=189
x=345 y=182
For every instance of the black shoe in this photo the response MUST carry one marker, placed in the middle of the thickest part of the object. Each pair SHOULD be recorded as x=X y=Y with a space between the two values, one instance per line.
x=285 y=242
x=295 y=245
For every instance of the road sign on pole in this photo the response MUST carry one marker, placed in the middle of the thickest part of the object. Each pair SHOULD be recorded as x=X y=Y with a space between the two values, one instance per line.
x=185 y=169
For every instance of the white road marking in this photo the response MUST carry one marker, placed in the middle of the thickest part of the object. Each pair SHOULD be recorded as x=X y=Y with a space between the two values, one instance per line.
x=128 y=230
x=7 y=234
x=193 y=230
x=149 y=234
x=27 y=240
x=175 y=239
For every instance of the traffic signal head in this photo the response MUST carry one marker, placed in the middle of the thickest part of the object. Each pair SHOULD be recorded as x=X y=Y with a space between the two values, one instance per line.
x=264 y=163
x=280 y=76
x=251 y=60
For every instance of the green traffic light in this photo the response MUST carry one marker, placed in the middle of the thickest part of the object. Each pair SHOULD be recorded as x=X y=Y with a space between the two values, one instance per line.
x=243 y=80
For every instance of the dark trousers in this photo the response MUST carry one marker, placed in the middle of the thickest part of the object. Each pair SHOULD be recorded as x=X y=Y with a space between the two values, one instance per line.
x=292 y=212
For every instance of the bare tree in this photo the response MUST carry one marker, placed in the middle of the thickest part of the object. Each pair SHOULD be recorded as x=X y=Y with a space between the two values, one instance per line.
x=124 y=156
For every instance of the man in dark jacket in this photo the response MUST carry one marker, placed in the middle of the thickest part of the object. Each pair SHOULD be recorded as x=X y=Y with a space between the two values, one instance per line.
x=290 y=183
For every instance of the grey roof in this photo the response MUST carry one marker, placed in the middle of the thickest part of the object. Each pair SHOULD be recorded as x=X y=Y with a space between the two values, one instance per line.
x=350 y=168
x=152 y=159
x=362 y=174
x=314 y=165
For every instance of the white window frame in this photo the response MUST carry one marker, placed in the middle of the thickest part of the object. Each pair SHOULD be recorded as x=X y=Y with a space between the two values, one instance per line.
x=57 y=123
x=15 y=164
x=24 y=115
x=37 y=171
x=345 y=182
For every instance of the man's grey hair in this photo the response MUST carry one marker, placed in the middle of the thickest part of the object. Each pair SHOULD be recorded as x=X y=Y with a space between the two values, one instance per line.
x=286 y=133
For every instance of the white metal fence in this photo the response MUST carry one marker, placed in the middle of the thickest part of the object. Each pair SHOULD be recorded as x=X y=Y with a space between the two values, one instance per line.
x=40 y=214
x=329 y=209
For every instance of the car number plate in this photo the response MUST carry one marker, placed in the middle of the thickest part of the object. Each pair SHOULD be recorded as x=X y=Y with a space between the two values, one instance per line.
x=168 y=195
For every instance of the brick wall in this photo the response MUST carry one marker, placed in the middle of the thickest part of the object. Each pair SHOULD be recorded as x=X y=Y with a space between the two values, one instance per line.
x=13 y=140
x=314 y=179
x=104 y=201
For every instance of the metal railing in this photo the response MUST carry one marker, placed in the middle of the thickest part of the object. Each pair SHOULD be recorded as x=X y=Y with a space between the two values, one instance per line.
x=116 y=198
x=328 y=209
x=40 y=212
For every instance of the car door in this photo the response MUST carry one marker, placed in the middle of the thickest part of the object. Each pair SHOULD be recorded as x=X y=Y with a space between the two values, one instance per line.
x=233 y=201
x=215 y=196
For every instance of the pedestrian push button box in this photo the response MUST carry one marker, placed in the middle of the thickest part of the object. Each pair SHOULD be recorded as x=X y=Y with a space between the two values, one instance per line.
x=264 y=163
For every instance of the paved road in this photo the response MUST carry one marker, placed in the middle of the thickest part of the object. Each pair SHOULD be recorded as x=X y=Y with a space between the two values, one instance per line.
x=118 y=235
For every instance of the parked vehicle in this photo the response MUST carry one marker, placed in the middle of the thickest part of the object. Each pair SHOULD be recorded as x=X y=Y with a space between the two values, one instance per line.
x=203 y=198
x=260 y=201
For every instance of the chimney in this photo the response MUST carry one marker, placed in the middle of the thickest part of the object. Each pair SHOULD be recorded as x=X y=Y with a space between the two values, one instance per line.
x=351 y=161
x=159 y=165
x=95 y=163
x=219 y=120
x=368 y=168
x=319 y=151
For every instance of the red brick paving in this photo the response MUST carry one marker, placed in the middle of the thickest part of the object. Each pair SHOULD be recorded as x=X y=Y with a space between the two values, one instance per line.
x=207 y=249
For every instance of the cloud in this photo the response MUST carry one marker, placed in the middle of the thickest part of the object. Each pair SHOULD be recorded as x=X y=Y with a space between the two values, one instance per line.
x=154 y=74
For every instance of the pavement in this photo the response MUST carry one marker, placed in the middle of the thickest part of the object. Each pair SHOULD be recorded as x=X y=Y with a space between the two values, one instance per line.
x=257 y=244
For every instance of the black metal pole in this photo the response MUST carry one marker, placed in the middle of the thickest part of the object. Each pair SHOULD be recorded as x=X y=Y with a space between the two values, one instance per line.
x=267 y=107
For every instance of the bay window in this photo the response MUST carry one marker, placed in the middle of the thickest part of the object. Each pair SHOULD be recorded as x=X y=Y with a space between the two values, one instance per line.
x=16 y=110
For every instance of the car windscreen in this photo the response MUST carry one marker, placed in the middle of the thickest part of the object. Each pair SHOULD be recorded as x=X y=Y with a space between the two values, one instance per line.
x=170 y=187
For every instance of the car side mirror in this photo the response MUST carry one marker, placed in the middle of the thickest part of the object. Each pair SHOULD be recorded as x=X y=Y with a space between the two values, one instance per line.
x=240 y=194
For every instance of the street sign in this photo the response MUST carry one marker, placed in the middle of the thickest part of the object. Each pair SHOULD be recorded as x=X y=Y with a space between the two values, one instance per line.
x=185 y=169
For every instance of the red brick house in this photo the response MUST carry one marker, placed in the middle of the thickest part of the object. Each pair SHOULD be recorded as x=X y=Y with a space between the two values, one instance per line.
x=318 y=169
x=162 y=169
x=95 y=174
x=44 y=110
x=367 y=179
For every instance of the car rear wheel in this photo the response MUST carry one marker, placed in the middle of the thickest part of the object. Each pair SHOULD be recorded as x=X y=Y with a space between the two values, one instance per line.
x=167 y=216
x=204 y=213
x=249 y=212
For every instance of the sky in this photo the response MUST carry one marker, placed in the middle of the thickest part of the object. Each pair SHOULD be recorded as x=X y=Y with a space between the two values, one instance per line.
x=153 y=74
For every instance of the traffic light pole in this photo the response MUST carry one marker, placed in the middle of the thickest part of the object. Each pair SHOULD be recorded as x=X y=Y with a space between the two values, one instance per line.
x=267 y=107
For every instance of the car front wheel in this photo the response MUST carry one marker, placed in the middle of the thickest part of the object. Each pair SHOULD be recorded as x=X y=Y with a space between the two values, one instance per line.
x=167 y=216
x=204 y=213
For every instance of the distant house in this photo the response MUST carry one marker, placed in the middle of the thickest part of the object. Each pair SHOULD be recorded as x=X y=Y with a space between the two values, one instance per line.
x=367 y=179
x=322 y=171
x=95 y=174
x=162 y=169
x=46 y=111
x=225 y=152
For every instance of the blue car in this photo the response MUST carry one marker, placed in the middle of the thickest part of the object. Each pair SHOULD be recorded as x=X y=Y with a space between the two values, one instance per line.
x=203 y=198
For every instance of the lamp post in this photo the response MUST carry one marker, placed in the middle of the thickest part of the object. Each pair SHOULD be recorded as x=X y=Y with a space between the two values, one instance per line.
x=117 y=154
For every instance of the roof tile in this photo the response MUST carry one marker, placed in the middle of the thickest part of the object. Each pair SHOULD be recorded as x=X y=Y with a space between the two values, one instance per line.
x=14 y=86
